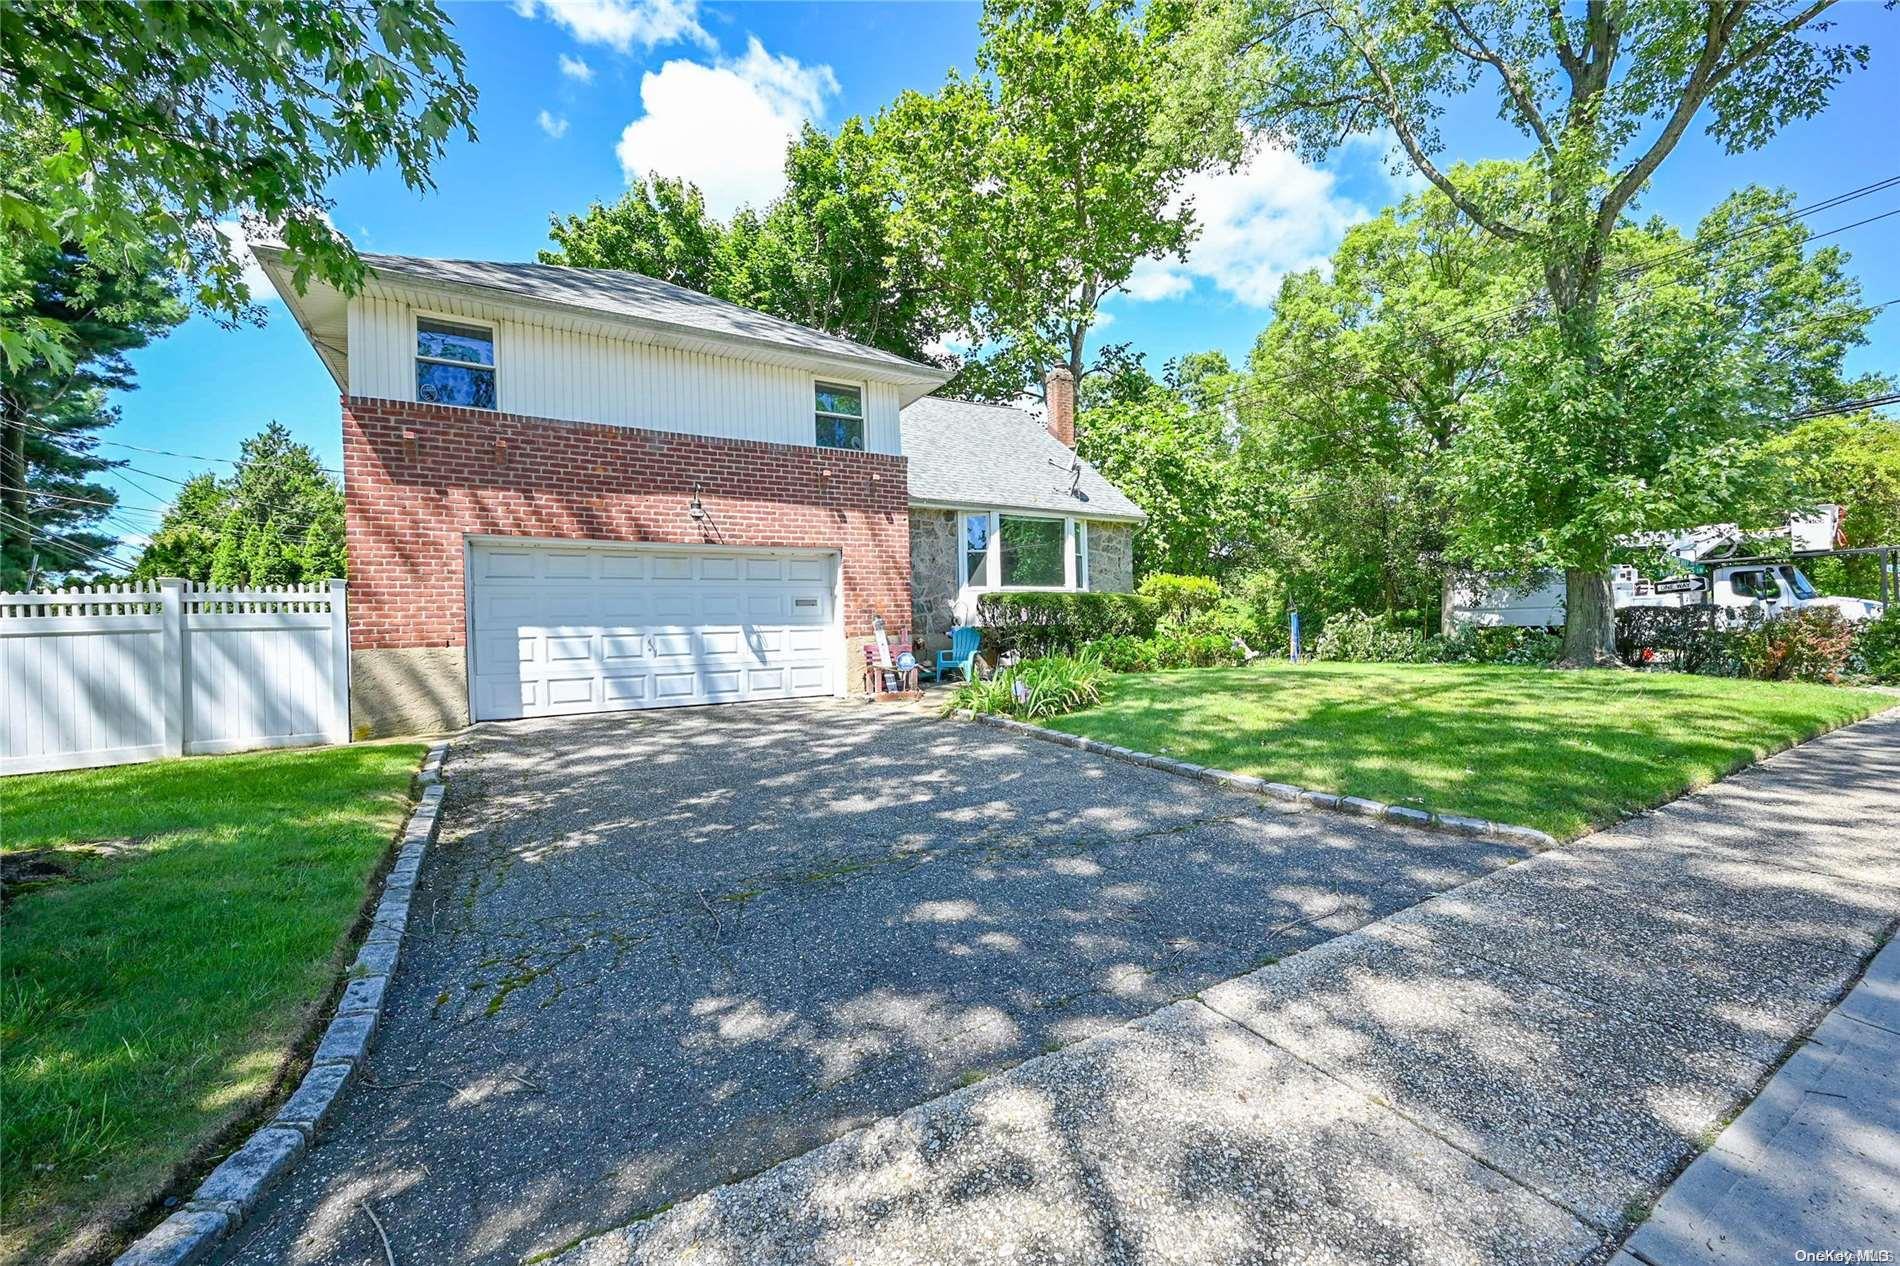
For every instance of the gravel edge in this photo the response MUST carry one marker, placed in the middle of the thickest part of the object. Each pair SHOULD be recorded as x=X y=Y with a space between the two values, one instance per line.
x=1286 y=793
x=232 y=1190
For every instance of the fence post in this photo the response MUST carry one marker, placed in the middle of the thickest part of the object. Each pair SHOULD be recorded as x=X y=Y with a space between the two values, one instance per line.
x=339 y=731
x=175 y=682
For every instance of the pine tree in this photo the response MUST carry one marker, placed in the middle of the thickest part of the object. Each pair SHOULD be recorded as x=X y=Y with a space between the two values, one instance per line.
x=51 y=507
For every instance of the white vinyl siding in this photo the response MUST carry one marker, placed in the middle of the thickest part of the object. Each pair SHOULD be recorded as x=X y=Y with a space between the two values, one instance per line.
x=549 y=372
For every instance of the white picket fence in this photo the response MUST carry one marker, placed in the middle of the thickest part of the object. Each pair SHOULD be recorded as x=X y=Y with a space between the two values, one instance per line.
x=111 y=674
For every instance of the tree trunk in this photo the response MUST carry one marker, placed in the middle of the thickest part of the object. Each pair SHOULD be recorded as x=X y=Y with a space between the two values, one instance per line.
x=1589 y=620
x=16 y=547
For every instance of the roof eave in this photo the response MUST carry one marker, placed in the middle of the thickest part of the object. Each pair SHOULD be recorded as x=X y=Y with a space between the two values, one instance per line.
x=900 y=370
x=1075 y=512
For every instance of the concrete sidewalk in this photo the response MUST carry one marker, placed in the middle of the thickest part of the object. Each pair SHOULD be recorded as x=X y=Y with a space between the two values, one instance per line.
x=1509 y=1072
x=1814 y=1163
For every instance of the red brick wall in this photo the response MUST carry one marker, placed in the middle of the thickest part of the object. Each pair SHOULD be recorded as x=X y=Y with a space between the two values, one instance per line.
x=411 y=503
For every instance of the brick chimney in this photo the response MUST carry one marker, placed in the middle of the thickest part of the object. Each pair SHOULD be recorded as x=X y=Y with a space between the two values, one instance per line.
x=1059 y=407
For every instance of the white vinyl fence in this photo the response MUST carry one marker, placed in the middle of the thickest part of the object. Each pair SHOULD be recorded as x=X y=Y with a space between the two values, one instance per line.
x=106 y=675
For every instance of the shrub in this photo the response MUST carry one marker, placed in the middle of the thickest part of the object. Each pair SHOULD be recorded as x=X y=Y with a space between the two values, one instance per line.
x=1124 y=654
x=1812 y=645
x=1180 y=596
x=1356 y=637
x=1036 y=624
x=1687 y=639
x=1520 y=647
x=1877 y=642
x=1045 y=687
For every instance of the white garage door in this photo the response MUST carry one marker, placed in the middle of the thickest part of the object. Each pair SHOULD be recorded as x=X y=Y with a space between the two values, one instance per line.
x=591 y=628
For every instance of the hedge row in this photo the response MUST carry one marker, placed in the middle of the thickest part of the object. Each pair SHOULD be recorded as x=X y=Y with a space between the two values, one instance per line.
x=1037 y=624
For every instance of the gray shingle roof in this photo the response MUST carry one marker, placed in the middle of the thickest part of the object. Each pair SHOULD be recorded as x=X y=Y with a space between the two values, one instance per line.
x=642 y=298
x=996 y=455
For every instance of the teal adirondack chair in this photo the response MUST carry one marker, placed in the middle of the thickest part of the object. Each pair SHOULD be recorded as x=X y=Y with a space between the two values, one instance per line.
x=963 y=644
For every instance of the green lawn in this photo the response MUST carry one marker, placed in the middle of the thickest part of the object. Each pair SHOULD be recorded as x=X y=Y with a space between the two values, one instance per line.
x=150 y=995
x=1561 y=751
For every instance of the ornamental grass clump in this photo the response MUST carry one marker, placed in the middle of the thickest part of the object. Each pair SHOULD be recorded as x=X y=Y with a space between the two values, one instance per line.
x=1046 y=687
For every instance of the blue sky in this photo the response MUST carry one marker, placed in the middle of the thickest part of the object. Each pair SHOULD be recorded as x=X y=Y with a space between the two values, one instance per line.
x=575 y=95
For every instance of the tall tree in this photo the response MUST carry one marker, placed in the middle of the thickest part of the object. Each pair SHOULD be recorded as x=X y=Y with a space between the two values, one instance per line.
x=51 y=410
x=277 y=519
x=1401 y=434
x=1169 y=445
x=822 y=253
x=154 y=123
x=660 y=227
x=1604 y=92
x=1032 y=189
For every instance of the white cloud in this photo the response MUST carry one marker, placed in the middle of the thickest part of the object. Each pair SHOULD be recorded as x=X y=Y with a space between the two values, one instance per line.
x=621 y=24
x=1155 y=279
x=555 y=126
x=1272 y=216
x=724 y=127
x=577 y=68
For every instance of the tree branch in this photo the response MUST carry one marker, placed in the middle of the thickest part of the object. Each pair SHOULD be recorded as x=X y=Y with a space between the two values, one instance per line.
x=1513 y=83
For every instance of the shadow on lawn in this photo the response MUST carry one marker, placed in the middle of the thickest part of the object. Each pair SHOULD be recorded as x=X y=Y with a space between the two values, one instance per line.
x=1582 y=749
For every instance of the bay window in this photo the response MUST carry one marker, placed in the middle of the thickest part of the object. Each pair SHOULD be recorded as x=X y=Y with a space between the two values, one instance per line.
x=1005 y=550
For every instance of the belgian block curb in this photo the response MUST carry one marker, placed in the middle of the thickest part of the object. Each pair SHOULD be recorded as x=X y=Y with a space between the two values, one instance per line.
x=1300 y=797
x=233 y=1189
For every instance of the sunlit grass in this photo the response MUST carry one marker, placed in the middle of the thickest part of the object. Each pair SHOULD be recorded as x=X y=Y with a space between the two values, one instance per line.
x=150 y=998
x=1561 y=751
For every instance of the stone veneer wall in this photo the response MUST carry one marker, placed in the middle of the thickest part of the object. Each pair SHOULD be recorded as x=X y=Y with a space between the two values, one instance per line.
x=1112 y=557
x=933 y=577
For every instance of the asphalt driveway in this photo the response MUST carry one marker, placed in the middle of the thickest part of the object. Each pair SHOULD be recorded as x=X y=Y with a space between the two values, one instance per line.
x=657 y=952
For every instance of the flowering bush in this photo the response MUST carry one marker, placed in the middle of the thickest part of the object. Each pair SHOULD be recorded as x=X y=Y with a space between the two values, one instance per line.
x=1355 y=637
x=1877 y=643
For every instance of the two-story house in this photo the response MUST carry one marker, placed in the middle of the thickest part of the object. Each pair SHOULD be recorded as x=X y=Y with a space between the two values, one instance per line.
x=578 y=490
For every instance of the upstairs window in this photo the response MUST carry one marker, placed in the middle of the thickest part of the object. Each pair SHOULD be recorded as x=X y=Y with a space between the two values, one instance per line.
x=840 y=413
x=455 y=364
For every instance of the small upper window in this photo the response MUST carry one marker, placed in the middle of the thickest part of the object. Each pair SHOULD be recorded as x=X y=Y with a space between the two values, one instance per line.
x=455 y=364
x=840 y=413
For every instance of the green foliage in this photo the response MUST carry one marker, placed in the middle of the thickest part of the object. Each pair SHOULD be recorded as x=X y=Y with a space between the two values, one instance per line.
x=51 y=411
x=1180 y=596
x=1521 y=648
x=278 y=519
x=1035 y=186
x=1355 y=637
x=1168 y=445
x=1852 y=462
x=1044 y=687
x=1877 y=642
x=1042 y=623
x=1813 y=645
x=824 y=253
x=1687 y=639
x=1603 y=95
x=150 y=124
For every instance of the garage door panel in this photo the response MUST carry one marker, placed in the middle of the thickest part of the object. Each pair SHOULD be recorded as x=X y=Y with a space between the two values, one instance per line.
x=569 y=565
x=566 y=649
x=571 y=629
x=618 y=648
x=629 y=689
x=675 y=685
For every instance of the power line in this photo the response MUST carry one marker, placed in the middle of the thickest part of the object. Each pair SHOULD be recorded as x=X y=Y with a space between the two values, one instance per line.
x=71 y=549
